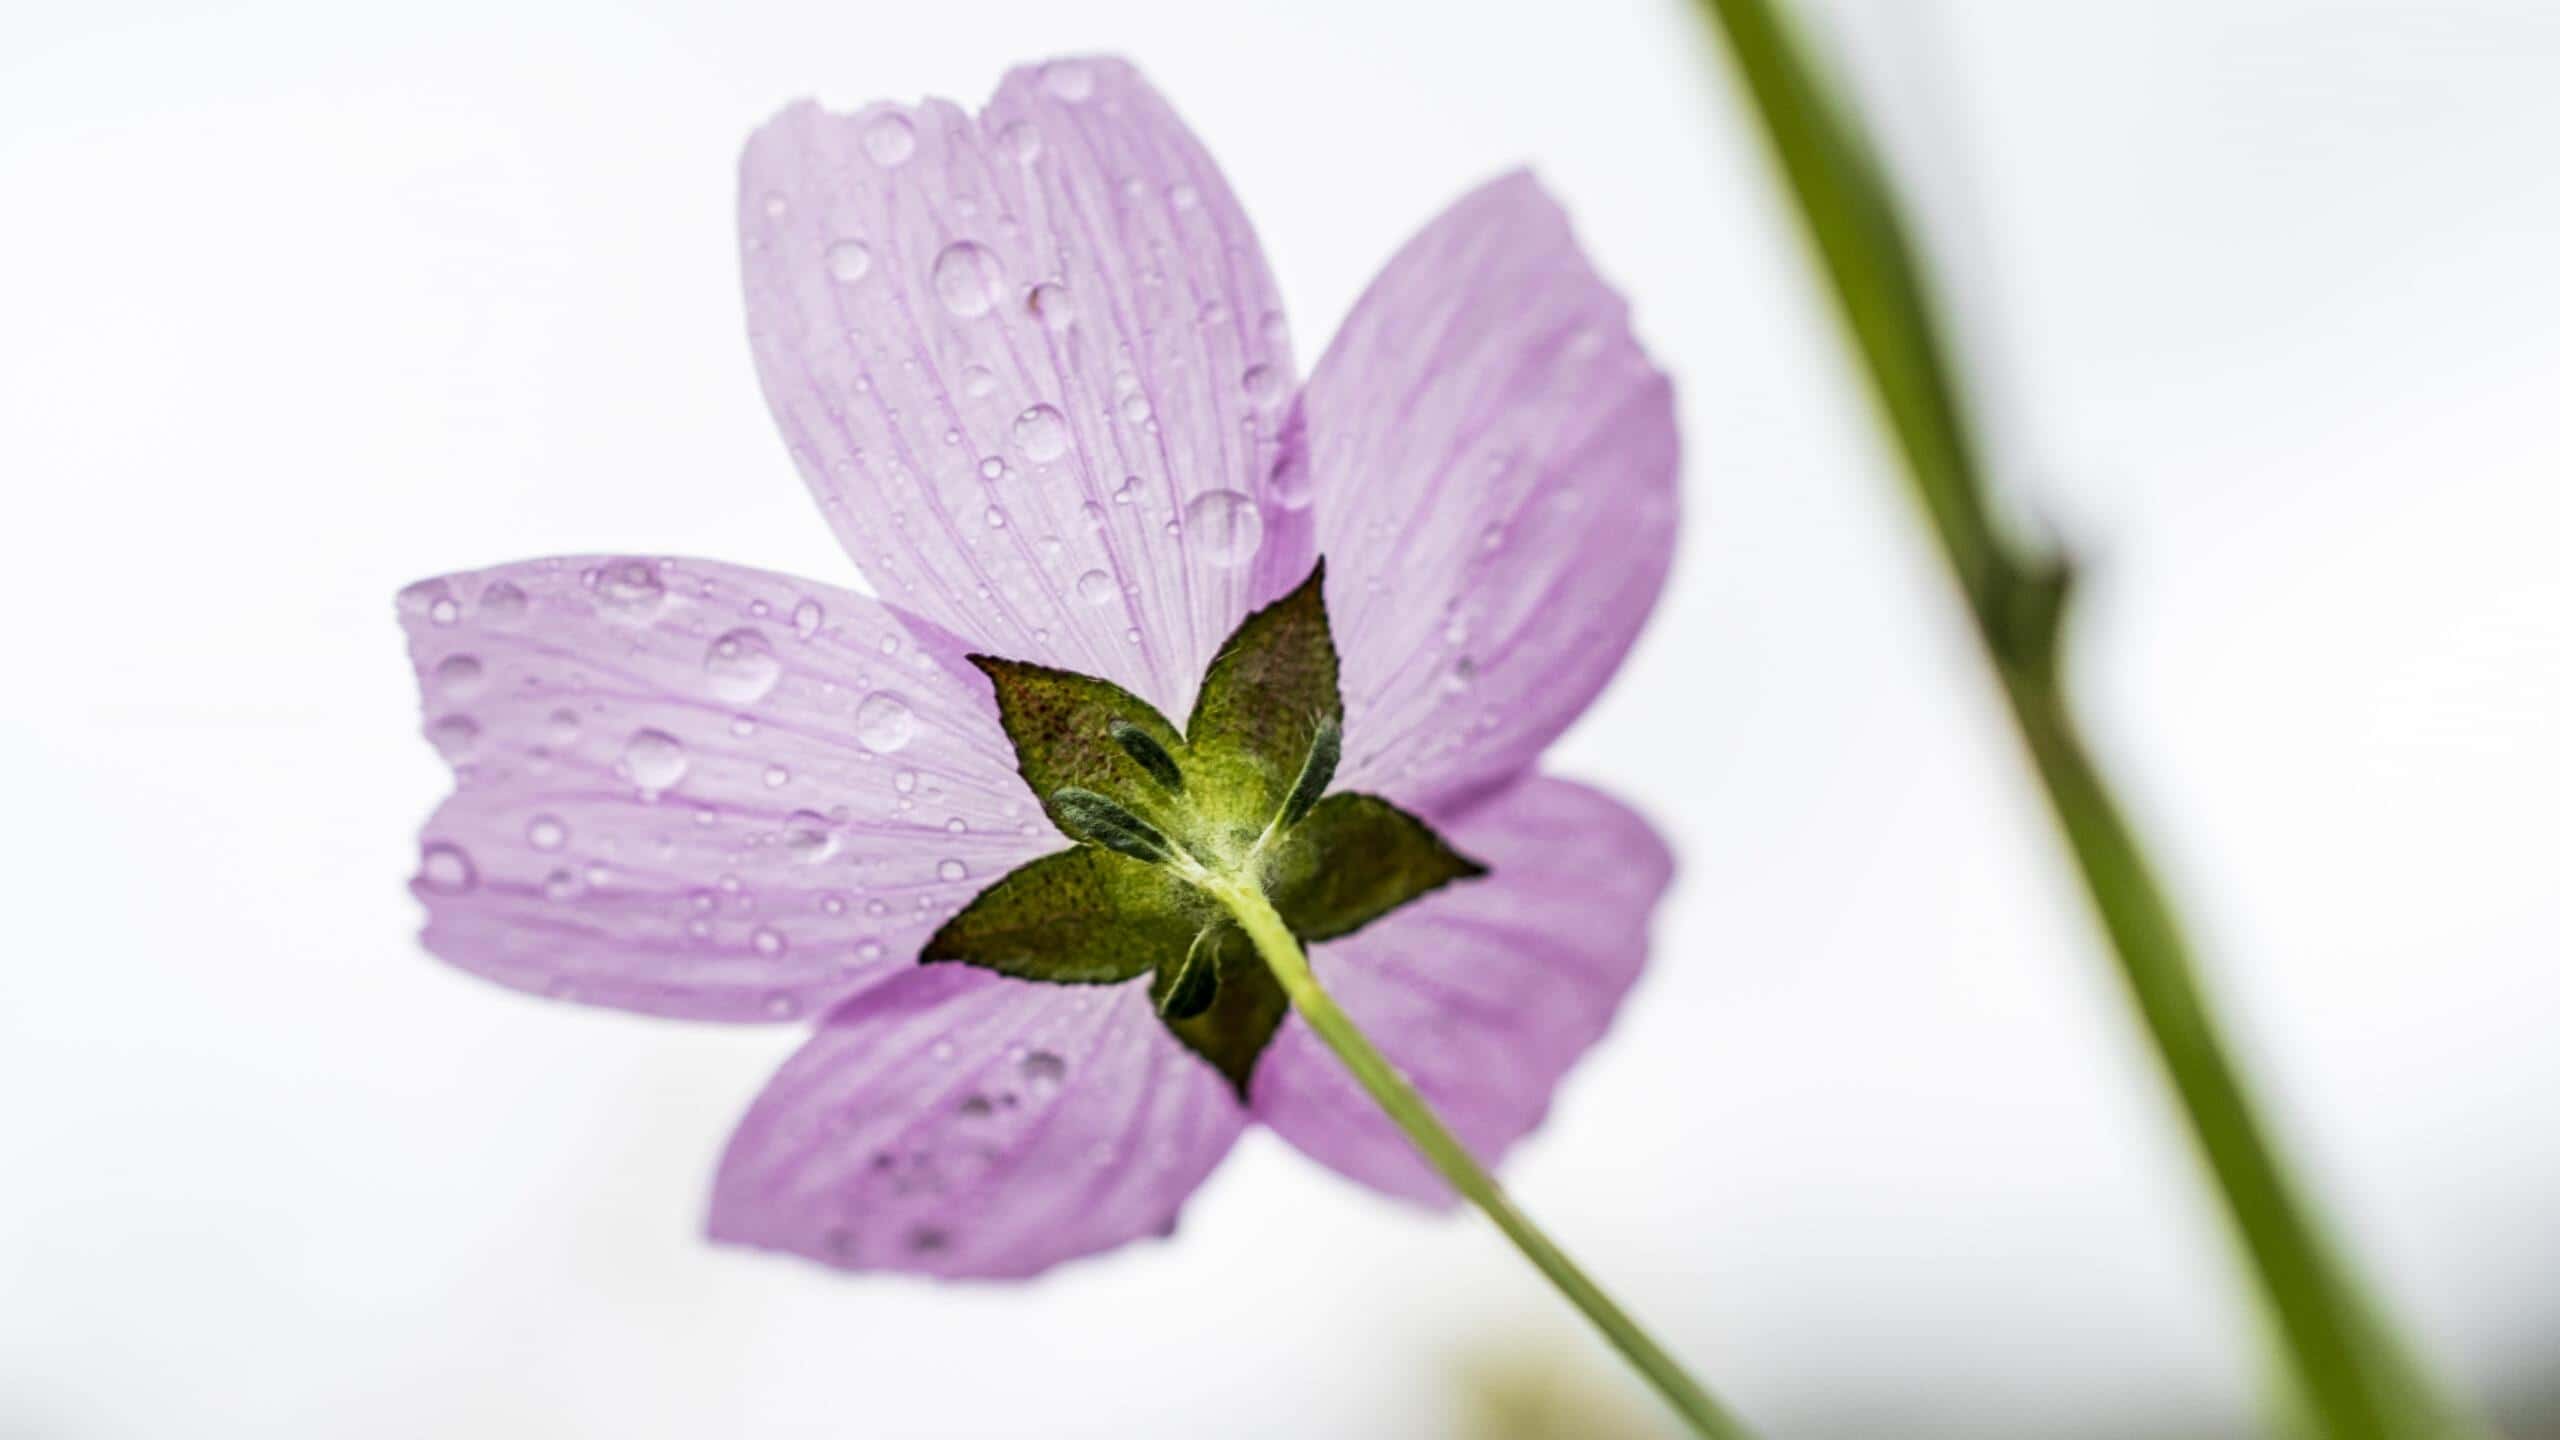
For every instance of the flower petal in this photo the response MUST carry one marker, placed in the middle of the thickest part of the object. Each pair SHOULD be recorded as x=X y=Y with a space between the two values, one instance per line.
x=697 y=789
x=1032 y=365
x=957 y=1123
x=1483 y=993
x=1491 y=460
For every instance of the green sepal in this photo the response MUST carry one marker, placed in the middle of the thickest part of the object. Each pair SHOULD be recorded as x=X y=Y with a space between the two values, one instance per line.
x=1194 y=985
x=1354 y=858
x=1080 y=917
x=1268 y=691
x=1061 y=726
x=1243 y=1014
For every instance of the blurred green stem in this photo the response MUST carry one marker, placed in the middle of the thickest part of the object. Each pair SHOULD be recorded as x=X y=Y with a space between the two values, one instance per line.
x=1448 y=1155
x=2354 y=1378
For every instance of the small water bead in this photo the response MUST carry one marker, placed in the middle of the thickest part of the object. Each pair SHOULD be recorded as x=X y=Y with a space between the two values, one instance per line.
x=740 y=666
x=883 y=722
x=1136 y=409
x=775 y=206
x=504 y=602
x=654 y=759
x=1226 y=527
x=956 y=825
x=1050 y=304
x=1094 y=587
x=875 y=908
x=869 y=950
x=848 y=260
x=562 y=884
x=905 y=781
x=811 y=839
x=742 y=726
x=889 y=140
x=776 y=776
x=995 y=517
x=967 y=278
x=444 y=611
x=1127 y=492
x=781 y=1006
x=564 y=725
x=952 y=870
x=807 y=618
x=1262 y=385
x=977 y=382
x=769 y=941
x=630 y=589
x=1069 y=80
x=546 y=832
x=1042 y=1071
x=944 y=1050
x=1019 y=142
x=458 y=675
x=1183 y=196
x=1040 y=433
x=991 y=469
x=454 y=736
x=447 y=869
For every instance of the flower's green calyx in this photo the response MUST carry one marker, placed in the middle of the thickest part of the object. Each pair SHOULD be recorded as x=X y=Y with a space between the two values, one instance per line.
x=1172 y=820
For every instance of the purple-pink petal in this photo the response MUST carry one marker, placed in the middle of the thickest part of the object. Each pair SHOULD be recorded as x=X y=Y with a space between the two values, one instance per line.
x=696 y=789
x=1491 y=461
x=956 y=1123
x=1485 y=993
x=1032 y=365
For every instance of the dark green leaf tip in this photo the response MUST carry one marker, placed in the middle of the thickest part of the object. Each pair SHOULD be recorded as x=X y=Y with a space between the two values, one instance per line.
x=1151 y=757
x=1108 y=824
x=1324 y=753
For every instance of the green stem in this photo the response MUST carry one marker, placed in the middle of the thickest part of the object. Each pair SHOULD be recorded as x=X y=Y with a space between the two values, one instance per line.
x=2356 y=1379
x=1396 y=1096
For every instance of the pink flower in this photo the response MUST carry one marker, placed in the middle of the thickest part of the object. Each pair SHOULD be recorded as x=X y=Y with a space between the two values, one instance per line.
x=1034 y=368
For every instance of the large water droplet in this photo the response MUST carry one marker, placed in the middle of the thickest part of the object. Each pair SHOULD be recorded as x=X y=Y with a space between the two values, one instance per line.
x=1094 y=587
x=1040 y=433
x=446 y=868
x=654 y=759
x=967 y=278
x=1225 y=528
x=740 y=666
x=889 y=140
x=848 y=260
x=883 y=722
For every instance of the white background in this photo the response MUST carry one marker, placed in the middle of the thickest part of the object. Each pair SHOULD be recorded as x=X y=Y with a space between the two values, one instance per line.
x=300 y=303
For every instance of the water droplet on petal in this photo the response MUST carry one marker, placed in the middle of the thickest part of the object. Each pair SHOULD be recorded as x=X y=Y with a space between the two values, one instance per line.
x=848 y=260
x=545 y=832
x=883 y=722
x=654 y=759
x=503 y=602
x=458 y=675
x=630 y=589
x=1225 y=527
x=1040 y=433
x=1043 y=1071
x=1069 y=80
x=740 y=666
x=1094 y=587
x=967 y=278
x=889 y=140
x=769 y=941
x=446 y=869
x=454 y=736
x=952 y=870
x=1262 y=385
x=1050 y=304
x=809 y=837
x=978 y=382
x=806 y=618
x=1019 y=142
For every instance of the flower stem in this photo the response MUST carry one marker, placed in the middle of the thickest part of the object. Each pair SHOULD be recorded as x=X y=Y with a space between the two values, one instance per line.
x=2356 y=1379
x=1396 y=1096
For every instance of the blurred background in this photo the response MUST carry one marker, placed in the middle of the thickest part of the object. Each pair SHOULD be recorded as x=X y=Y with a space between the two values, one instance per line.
x=301 y=302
